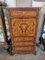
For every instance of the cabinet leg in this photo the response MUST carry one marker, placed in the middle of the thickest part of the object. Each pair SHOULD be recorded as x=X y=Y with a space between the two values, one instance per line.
x=35 y=53
x=44 y=48
x=9 y=50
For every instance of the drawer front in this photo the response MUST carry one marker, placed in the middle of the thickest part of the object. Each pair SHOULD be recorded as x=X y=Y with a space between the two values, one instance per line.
x=23 y=27
x=24 y=49
x=24 y=44
x=18 y=13
x=23 y=39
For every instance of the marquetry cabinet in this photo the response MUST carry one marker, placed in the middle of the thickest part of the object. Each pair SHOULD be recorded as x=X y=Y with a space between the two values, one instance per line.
x=23 y=23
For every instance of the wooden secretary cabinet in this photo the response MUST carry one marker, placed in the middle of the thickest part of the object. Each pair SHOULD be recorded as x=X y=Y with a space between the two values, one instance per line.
x=23 y=24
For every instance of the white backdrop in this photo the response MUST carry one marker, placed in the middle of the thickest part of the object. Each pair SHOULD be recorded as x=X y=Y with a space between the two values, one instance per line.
x=2 y=0
x=23 y=3
x=11 y=3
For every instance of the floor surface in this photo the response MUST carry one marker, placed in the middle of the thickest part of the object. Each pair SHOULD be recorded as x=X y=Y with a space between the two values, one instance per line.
x=39 y=56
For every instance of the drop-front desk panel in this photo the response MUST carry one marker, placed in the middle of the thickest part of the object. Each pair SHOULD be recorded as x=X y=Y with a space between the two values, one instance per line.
x=23 y=24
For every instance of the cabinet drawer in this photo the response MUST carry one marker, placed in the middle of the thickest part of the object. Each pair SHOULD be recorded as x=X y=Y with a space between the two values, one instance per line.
x=23 y=49
x=23 y=44
x=18 y=13
x=23 y=39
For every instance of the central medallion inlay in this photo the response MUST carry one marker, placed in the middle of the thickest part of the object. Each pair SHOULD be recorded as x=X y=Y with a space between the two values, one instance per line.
x=24 y=27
